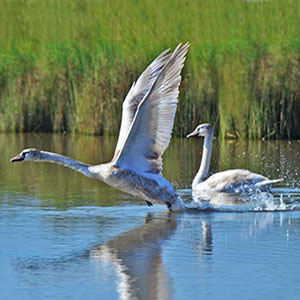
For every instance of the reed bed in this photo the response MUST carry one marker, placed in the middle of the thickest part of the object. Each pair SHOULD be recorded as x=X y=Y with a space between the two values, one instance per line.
x=66 y=65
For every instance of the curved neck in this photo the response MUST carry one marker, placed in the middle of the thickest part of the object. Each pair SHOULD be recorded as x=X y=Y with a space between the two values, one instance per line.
x=205 y=161
x=64 y=161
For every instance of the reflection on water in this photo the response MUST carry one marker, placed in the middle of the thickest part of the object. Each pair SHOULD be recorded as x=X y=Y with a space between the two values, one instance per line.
x=64 y=236
x=170 y=251
x=207 y=242
x=137 y=259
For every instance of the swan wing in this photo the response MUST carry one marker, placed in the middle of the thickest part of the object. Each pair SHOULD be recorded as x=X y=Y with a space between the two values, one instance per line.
x=265 y=184
x=136 y=94
x=151 y=128
x=231 y=179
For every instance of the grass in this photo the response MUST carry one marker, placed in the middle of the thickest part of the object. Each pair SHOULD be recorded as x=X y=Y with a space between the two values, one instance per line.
x=66 y=65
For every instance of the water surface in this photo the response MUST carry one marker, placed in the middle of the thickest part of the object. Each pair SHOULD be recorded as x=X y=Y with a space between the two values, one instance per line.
x=64 y=236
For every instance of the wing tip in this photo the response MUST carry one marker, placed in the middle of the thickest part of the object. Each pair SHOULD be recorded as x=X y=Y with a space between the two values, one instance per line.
x=181 y=50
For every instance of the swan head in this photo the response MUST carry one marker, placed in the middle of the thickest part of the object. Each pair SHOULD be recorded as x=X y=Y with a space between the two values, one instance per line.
x=202 y=130
x=27 y=154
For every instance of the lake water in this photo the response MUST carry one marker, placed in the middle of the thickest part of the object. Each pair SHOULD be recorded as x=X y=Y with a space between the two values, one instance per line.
x=64 y=236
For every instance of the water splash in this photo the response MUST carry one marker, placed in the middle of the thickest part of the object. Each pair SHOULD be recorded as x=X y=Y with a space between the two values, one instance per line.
x=283 y=199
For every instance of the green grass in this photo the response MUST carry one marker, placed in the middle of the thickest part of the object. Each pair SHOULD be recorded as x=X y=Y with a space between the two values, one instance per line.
x=66 y=65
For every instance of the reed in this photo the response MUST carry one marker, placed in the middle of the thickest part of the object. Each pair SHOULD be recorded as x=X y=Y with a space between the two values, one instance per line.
x=66 y=65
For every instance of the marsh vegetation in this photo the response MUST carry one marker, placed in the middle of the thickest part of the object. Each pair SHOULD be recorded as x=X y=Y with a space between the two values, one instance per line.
x=66 y=65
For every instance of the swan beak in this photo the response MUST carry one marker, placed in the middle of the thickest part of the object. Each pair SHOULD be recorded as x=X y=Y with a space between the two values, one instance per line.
x=17 y=158
x=194 y=133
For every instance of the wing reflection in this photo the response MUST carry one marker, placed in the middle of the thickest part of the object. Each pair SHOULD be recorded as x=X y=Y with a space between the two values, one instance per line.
x=137 y=260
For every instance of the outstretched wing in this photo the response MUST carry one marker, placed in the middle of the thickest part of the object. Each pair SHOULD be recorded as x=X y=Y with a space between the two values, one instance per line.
x=136 y=94
x=151 y=128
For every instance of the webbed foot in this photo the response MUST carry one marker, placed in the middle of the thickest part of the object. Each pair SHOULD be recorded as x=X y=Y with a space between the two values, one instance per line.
x=149 y=203
x=169 y=205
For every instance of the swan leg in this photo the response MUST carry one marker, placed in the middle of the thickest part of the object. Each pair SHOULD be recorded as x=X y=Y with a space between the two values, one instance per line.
x=149 y=203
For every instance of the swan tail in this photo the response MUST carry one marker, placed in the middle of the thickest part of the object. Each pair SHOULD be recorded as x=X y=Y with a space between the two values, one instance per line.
x=266 y=184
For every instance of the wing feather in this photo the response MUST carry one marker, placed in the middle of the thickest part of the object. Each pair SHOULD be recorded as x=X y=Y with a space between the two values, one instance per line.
x=136 y=94
x=151 y=129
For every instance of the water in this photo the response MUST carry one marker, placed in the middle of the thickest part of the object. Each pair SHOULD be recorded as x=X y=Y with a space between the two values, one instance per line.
x=64 y=236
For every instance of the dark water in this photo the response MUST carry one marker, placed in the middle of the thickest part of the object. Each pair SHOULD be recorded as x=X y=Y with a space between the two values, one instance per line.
x=64 y=236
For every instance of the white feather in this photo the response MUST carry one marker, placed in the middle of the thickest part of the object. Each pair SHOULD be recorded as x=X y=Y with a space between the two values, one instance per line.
x=151 y=129
x=136 y=94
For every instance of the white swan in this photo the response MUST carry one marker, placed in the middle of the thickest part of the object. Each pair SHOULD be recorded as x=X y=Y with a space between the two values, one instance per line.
x=147 y=122
x=231 y=181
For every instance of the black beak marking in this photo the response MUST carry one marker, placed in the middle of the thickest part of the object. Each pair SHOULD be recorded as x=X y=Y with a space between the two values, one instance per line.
x=17 y=158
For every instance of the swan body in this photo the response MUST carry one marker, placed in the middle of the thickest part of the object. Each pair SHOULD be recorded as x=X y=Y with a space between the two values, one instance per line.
x=147 y=122
x=230 y=181
x=238 y=180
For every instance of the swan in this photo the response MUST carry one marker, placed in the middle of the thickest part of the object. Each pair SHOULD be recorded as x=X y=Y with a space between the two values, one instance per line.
x=148 y=113
x=230 y=181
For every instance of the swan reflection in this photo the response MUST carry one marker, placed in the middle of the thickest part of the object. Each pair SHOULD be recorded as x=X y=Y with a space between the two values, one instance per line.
x=206 y=245
x=136 y=257
x=147 y=262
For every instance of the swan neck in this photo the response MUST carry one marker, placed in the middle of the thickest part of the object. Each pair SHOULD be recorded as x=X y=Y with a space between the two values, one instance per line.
x=205 y=161
x=65 y=161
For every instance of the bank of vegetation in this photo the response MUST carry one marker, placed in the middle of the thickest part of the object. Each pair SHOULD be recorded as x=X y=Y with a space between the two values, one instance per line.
x=66 y=65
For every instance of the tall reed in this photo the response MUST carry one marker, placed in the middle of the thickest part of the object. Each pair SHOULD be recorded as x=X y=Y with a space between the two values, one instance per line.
x=66 y=65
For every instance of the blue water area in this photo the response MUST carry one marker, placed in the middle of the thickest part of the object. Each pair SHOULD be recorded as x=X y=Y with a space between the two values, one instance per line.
x=133 y=252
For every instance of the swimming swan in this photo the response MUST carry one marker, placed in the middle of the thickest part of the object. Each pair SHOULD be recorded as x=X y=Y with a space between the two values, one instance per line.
x=147 y=122
x=231 y=181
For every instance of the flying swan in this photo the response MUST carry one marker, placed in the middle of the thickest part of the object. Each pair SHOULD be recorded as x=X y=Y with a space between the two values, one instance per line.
x=147 y=122
x=230 y=181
